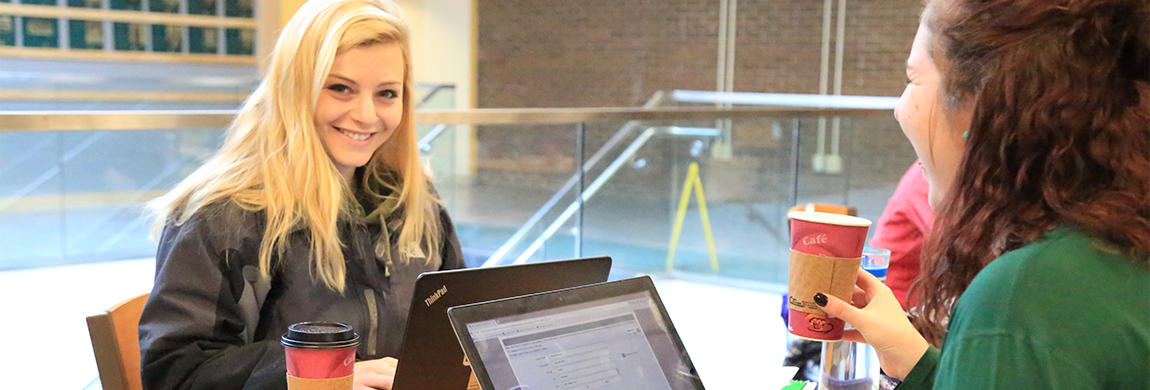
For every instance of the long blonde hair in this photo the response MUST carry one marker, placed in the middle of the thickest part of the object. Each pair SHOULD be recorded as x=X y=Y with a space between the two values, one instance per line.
x=272 y=159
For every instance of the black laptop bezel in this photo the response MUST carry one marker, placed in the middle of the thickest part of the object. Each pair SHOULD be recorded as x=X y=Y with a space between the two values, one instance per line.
x=417 y=340
x=462 y=315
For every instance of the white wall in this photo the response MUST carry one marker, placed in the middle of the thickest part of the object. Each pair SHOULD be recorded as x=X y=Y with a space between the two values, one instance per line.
x=442 y=47
x=442 y=43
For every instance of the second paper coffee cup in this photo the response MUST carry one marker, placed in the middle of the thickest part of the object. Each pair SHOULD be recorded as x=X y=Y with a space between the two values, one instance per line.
x=319 y=354
x=825 y=253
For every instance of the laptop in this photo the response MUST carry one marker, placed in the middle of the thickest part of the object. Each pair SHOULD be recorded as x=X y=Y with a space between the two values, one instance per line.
x=430 y=357
x=608 y=336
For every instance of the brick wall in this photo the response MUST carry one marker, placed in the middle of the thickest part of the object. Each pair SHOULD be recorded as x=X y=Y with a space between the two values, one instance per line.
x=596 y=53
x=603 y=53
x=778 y=46
x=878 y=40
x=593 y=53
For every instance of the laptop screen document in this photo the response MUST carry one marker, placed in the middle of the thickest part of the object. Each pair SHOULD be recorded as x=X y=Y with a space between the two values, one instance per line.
x=617 y=342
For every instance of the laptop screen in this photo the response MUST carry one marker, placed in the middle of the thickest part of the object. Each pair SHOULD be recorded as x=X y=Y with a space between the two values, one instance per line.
x=620 y=342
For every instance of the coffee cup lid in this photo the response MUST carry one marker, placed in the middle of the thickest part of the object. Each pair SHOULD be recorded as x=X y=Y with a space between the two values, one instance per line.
x=829 y=218
x=319 y=335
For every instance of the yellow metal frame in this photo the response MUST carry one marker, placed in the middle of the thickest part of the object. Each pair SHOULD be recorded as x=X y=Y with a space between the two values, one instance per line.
x=693 y=181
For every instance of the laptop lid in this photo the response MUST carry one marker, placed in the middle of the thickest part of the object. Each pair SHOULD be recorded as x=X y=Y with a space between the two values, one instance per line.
x=608 y=336
x=431 y=357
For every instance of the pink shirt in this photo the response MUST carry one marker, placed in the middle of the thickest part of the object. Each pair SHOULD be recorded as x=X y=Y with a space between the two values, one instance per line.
x=903 y=228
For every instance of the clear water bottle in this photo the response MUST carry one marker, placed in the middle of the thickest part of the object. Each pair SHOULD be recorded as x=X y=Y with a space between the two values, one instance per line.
x=854 y=366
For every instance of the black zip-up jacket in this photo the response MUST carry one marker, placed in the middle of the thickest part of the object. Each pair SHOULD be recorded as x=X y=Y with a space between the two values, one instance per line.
x=214 y=322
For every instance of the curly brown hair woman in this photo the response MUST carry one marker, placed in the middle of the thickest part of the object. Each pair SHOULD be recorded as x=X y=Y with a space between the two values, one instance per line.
x=1032 y=120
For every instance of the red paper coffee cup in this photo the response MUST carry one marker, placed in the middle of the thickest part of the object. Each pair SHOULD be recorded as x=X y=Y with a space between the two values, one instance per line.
x=320 y=350
x=825 y=234
x=839 y=239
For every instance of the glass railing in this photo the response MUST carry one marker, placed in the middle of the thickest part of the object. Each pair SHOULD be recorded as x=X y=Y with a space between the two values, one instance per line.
x=40 y=84
x=522 y=185
x=527 y=200
x=437 y=142
x=72 y=184
x=73 y=191
x=71 y=197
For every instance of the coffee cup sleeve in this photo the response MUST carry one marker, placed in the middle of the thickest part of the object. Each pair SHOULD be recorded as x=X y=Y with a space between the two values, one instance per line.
x=810 y=274
x=341 y=383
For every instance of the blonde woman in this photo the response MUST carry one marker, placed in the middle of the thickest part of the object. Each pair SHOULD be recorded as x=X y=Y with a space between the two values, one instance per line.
x=316 y=208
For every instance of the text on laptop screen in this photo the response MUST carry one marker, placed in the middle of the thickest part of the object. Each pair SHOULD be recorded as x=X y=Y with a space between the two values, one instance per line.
x=614 y=343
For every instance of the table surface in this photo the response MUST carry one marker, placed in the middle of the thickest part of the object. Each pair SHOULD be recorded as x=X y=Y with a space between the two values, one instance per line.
x=735 y=377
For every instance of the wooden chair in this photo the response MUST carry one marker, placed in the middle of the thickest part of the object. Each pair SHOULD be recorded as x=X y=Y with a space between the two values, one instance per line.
x=116 y=343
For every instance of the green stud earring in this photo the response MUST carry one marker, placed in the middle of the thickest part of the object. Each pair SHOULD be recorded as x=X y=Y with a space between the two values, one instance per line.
x=965 y=134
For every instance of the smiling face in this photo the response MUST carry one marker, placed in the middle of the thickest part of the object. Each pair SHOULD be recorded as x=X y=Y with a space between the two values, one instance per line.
x=361 y=104
x=935 y=135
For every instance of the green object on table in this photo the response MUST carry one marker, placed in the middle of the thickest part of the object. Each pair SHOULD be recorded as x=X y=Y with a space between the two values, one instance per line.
x=796 y=385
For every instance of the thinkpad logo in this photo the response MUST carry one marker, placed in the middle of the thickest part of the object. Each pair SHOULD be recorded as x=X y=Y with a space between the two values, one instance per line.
x=435 y=297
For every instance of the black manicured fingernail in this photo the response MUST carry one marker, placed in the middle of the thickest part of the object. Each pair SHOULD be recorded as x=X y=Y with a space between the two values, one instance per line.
x=820 y=299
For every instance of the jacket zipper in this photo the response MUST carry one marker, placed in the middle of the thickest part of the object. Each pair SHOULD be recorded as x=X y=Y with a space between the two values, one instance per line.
x=372 y=320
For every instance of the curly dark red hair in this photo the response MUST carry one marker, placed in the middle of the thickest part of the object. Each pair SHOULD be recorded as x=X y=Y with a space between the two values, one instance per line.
x=1060 y=133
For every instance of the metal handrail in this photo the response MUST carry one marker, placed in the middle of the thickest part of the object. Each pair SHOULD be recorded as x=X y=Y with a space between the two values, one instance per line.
x=15 y=121
x=653 y=102
x=425 y=142
x=586 y=195
x=782 y=100
x=539 y=116
x=20 y=121
x=787 y=99
x=103 y=121
x=430 y=94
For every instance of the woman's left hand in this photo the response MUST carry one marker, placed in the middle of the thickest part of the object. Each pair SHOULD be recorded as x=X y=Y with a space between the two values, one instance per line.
x=878 y=320
x=375 y=374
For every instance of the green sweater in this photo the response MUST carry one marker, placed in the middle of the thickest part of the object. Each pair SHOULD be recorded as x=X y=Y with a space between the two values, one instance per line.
x=1060 y=313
